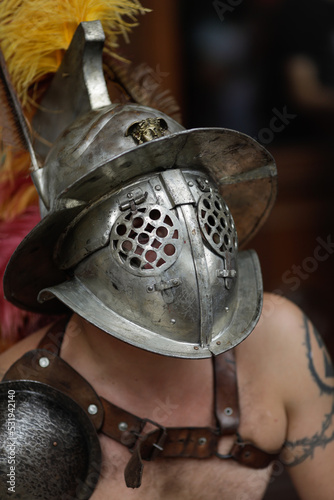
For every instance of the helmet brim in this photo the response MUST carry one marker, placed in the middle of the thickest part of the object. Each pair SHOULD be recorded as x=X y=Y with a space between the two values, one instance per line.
x=243 y=169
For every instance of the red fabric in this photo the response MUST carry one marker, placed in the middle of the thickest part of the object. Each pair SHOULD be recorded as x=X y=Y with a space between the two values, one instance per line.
x=15 y=323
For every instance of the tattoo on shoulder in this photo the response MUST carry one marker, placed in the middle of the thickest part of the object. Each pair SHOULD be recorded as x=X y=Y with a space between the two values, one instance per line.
x=295 y=452
x=328 y=370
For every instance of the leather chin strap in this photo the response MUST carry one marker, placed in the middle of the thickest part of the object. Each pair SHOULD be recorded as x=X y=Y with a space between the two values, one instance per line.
x=146 y=439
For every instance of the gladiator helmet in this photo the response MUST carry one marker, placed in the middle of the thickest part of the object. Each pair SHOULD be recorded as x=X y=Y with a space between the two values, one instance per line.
x=142 y=220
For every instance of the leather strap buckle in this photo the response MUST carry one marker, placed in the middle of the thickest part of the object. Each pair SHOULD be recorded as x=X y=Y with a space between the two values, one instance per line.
x=147 y=447
x=152 y=441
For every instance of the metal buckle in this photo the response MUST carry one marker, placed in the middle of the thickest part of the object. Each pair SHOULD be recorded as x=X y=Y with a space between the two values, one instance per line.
x=223 y=457
x=157 y=447
x=239 y=442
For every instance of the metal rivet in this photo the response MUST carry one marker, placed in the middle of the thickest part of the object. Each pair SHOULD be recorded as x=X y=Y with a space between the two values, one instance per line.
x=150 y=288
x=123 y=426
x=190 y=183
x=92 y=409
x=228 y=411
x=226 y=309
x=173 y=321
x=44 y=362
x=55 y=443
x=202 y=441
x=196 y=347
x=206 y=181
x=130 y=195
x=218 y=342
x=158 y=187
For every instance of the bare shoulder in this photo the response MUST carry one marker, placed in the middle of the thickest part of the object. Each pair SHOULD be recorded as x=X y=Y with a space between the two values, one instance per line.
x=8 y=357
x=286 y=357
x=278 y=329
x=279 y=316
x=286 y=348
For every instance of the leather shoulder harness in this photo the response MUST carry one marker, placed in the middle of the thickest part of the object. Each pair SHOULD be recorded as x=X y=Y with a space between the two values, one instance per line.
x=147 y=440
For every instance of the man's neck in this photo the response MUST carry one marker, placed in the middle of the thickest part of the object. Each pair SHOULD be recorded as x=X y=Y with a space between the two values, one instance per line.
x=125 y=369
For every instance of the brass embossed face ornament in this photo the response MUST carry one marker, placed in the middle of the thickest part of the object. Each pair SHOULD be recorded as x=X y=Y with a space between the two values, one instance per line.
x=140 y=230
x=147 y=129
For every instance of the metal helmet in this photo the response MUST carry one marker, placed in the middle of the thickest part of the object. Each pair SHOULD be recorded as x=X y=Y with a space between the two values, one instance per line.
x=136 y=236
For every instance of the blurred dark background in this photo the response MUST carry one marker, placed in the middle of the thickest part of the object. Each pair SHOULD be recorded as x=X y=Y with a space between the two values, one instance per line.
x=265 y=68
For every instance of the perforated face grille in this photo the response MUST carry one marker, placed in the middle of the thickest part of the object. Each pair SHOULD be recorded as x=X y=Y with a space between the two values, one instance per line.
x=217 y=223
x=148 y=241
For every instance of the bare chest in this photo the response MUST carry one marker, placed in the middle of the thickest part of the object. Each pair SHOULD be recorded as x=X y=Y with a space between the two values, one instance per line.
x=191 y=403
x=179 y=479
x=262 y=422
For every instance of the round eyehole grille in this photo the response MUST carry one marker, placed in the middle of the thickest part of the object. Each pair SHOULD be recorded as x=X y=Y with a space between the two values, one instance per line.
x=217 y=223
x=148 y=241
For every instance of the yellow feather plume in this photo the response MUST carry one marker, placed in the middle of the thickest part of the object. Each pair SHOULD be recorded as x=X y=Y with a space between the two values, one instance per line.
x=35 y=33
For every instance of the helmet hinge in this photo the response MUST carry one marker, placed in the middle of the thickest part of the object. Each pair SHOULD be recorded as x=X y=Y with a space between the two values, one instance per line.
x=227 y=274
x=133 y=201
x=203 y=184
x=164 y=285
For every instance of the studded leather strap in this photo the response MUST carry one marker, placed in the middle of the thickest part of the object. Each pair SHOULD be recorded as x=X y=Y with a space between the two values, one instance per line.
x=226 y=392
